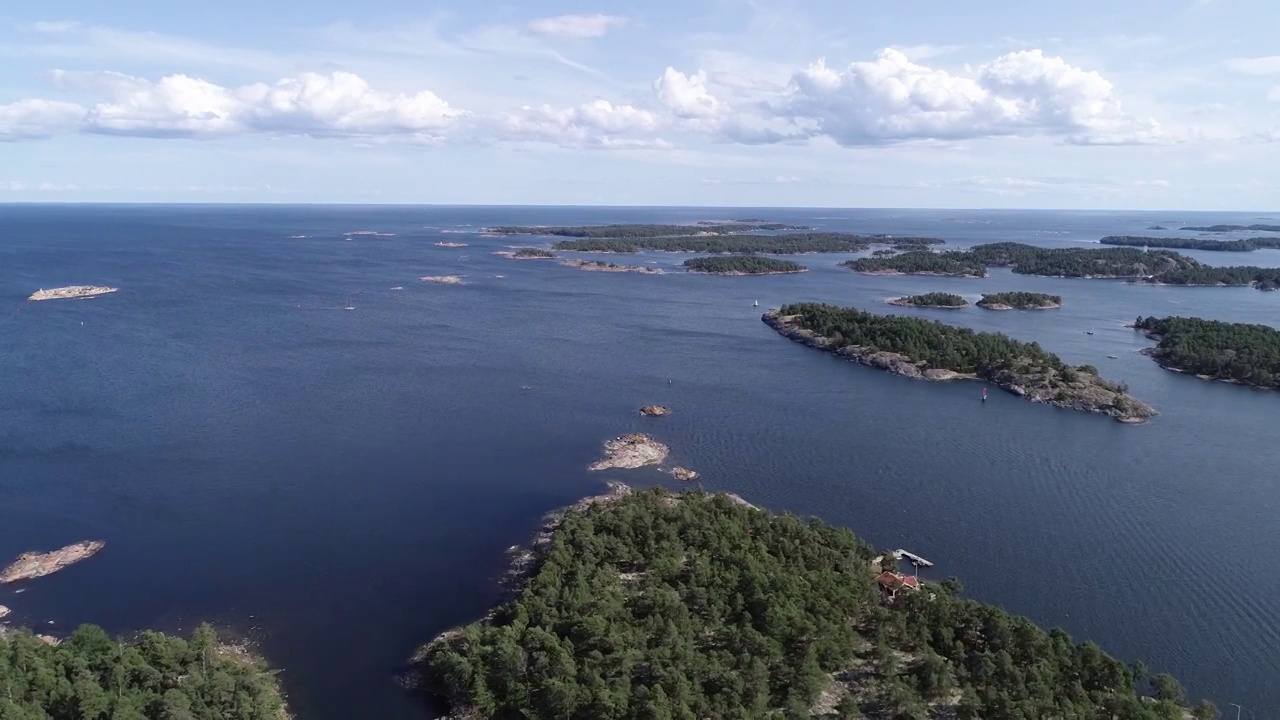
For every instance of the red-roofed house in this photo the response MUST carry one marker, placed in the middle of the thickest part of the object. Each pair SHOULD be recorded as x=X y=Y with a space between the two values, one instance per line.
x=891 y=583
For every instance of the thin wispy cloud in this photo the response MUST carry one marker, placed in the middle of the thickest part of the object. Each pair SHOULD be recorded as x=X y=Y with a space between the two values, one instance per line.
x=576 y=26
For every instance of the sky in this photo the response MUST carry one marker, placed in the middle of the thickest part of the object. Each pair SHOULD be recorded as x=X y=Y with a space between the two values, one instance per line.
x=1141 y=104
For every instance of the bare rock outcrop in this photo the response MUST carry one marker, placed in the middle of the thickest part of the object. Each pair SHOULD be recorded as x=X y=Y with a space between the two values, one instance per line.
x=654 y=410
x=35 y=564
x=631 y=451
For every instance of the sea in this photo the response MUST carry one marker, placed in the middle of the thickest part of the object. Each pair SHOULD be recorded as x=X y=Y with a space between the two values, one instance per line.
x=278 y=428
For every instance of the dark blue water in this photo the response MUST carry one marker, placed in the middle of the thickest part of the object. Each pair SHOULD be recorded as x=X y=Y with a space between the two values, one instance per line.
x=341 y=485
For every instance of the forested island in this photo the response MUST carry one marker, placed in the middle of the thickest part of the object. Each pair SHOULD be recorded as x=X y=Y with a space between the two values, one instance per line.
x=659 y=606
x=919 y=348
x=532 y=254
x=641 y=230
x=1019 y=301
x=1154 y=266
x=743 y=265
x=602 y=266
x=957 y=263
x=1215 y=350
x=1247 y=245
x=931 y=300
x=785 y=244
x=1232 y=228
x=92 y=675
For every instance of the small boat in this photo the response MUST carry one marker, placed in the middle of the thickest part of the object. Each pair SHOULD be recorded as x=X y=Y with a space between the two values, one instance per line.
x=349 y=307
x=984 y=394
x=755 y=304
x=1089 y=331
x=1113 y=357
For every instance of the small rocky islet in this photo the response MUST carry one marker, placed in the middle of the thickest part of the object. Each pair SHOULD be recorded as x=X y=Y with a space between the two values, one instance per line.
x=71 y=292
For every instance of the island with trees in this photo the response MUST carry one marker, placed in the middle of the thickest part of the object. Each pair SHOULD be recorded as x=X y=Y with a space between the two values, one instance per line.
x=1213 y=350
x=947 y=301
x=92 y=675
x=640 y=230
x=1247 y=245
x=919 y=348
x=785 y=244
x=654 y=605
x=1139 y=265
x=742 y=265
x=1232 y=228
x=530 y=253
x=602 y=266
x=955 y=263
x=1019 y=301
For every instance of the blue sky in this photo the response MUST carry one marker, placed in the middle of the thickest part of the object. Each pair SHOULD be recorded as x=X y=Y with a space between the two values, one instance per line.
x=986 y=103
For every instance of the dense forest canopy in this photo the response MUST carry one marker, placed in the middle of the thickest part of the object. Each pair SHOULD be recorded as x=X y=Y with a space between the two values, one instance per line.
x=664 y=607
x=787 y=244
x=933 y=299
x=1232 y=228
x=153 y=677
x=529 y=252
x=742 y=265
x=928 y=341
x=1237 y=352
x=1020 y=300
x=639 y=230
x=1155 y=266
x=1247 y=245
x=922 y=262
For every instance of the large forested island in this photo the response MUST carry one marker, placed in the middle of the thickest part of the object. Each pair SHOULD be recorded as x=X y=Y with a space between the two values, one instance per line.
x=154 y=676
x=1232 y=228
x=928 y=349
x=1019 y=301
x=742 y=265
x=641 y=230
x=957 y=263
x=1214 y=350
x=709 y=237
x=1247 y=245
x=657 y=606
x=949 y=301
x=784 y=244
x=1154 y=266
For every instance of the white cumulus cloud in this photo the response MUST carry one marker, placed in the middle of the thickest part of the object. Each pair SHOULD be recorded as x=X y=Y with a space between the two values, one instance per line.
x=892 y=99
x=576 y=26
x=687 y=95
x=599 y=123
x=37 y=119
x=338 y=104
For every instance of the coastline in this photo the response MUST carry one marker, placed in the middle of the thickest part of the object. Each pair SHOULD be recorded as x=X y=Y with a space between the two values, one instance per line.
x=903 y=365
x=1002 y=306
x=1157 y=356
x=902 y=302
x=738 y=273
x=922 y=272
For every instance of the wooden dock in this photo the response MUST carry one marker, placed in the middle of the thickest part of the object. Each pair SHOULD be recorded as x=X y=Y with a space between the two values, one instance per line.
x=913 y=558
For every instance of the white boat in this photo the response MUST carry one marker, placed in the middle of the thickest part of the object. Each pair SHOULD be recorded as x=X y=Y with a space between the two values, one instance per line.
x=755 y=304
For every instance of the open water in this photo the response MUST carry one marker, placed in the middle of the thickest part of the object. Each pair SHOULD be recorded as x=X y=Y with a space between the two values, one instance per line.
x=340 y=485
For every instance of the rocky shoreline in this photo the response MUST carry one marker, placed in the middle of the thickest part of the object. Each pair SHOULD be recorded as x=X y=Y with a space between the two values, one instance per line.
x=629 y=452
x=600 y=266
x=445 y=244
x=30 y=565
x=904 y=302
x=71 y=292
x=1086 y=395
x=921 y=272
x=736 y=273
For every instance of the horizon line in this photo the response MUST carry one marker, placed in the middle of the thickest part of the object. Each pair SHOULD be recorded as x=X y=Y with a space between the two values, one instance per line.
x=345 y=203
